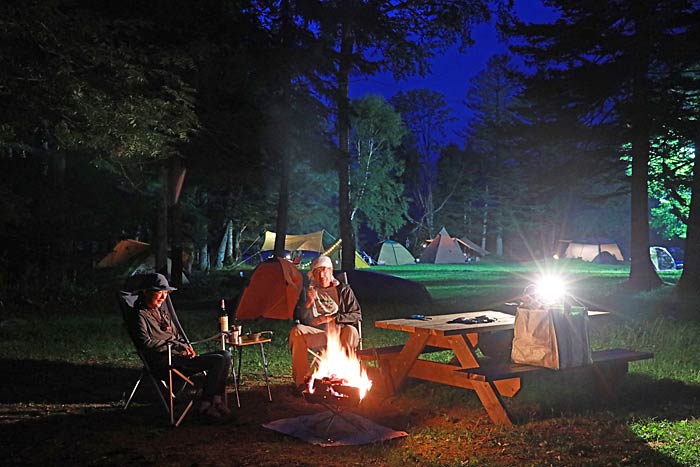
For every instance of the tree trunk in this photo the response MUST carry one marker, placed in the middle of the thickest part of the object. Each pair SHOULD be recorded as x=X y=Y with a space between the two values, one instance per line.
x=59 y=250
x=343 y=102
x=237 y=247
x=201 y=233
x=689 y=283
x=221 y=252
x=484 y=226
x=643 y=276
x=204 y=264
x=228 y=258
x=161 y=247
x=282 y=207
x=176 y=178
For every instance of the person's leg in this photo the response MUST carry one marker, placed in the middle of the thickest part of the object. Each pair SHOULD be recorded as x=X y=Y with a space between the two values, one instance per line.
x=301 y=338
x=349 y=337
x=216 y=364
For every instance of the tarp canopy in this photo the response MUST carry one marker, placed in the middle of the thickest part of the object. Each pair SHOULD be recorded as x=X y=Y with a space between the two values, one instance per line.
x=443 y=249
x=472 y=246
x=320 y=242
x=594 y=250
x=306 y=242
x=273 y=291
x=394 y=253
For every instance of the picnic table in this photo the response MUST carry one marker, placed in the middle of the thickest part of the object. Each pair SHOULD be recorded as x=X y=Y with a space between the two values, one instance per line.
x=490 y=381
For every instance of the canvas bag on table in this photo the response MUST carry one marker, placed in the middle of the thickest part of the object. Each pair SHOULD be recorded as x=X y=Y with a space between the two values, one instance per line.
x=554 y=337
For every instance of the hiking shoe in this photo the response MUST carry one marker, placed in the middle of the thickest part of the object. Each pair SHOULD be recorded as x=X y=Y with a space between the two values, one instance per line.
x=222 y=409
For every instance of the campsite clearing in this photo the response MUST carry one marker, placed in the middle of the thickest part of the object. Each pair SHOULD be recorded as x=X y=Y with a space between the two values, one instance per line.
x=59 y=403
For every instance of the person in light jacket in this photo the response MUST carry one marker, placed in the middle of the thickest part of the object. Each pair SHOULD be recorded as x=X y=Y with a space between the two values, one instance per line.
x=325 y=302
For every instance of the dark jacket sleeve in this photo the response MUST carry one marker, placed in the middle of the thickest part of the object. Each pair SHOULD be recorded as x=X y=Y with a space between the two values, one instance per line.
x=301 y=313
x=149 y=336
x=349 y=308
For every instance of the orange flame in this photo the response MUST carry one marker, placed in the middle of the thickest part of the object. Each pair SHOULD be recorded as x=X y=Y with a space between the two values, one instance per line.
x=341 y=363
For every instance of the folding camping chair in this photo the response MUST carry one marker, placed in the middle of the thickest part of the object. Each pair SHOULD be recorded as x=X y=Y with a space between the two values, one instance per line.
x=169 y=382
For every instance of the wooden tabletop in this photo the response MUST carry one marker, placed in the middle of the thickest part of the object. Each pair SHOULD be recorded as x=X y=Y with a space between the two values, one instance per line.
x=438 y=324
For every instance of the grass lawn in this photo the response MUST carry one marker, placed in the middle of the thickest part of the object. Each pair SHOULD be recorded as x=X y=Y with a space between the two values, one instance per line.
x=64 y=368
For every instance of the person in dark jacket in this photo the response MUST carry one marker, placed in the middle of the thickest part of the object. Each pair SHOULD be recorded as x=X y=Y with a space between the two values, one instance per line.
x=325 y=302
x=156 y=328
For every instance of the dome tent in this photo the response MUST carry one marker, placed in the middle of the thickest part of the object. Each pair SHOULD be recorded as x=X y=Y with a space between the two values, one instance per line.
x=394 y=253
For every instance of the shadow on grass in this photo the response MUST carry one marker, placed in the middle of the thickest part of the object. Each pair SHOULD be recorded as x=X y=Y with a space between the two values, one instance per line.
x=577 y=394
x=54 y=413
x=43 y=381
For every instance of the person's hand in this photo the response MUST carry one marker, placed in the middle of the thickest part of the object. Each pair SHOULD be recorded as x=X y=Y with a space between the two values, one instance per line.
x=189 y=352
x=310 y=296
x=323 y=320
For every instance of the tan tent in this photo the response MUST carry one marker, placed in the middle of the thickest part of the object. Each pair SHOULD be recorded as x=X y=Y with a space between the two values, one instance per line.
x=394 y=253
x=443 y=249
x=594 y=250
x=313 y=241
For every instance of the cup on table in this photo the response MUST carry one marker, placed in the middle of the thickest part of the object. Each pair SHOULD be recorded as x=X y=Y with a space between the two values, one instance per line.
x=236 y=332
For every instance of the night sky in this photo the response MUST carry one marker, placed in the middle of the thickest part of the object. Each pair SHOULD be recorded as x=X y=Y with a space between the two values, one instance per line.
x=452 y=71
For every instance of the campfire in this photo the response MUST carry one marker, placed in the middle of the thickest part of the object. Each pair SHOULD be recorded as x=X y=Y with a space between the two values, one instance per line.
x=339 y=378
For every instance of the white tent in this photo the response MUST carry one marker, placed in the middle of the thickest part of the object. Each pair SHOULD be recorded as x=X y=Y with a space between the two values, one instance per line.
x=394 y=253
x=593 y=250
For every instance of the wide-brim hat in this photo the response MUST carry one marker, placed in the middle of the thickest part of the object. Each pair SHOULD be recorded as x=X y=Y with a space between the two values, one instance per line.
x=156 y=281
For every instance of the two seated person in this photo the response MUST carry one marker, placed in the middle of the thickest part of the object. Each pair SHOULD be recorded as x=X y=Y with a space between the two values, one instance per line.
x=324 y=302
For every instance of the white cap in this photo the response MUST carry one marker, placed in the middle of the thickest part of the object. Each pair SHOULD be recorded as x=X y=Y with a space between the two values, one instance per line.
x=321 y=262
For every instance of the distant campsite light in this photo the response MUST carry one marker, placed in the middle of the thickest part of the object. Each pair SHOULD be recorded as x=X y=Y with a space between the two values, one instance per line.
x=555 y=256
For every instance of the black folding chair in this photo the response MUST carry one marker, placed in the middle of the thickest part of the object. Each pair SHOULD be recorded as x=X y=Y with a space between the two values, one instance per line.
x=169 y=382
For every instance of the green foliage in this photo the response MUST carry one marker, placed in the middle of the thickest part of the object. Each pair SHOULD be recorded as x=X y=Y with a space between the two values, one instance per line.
x=312 y=199
x=375 y=176
x=102 y=83
x=671 y=172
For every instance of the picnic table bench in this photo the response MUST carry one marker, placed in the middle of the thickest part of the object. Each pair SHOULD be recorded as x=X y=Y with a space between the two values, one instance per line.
x=490 y=380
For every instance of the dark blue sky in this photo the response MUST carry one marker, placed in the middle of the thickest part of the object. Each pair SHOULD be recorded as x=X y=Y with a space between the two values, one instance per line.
x=452 y=71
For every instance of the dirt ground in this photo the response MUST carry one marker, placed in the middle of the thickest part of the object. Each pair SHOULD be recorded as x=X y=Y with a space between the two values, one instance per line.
x=81 y=423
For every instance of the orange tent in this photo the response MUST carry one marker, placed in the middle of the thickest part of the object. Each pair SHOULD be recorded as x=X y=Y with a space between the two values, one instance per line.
x=123 y=252
x=273 y=291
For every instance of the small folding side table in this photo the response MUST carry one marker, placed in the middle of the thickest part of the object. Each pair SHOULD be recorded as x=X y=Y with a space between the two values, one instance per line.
x=236 y=349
